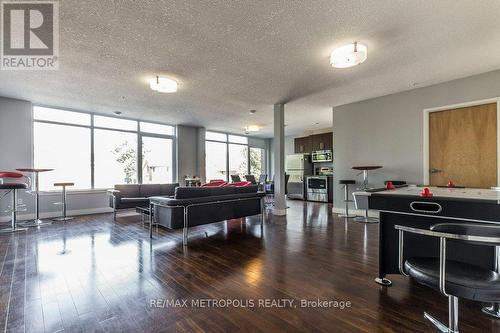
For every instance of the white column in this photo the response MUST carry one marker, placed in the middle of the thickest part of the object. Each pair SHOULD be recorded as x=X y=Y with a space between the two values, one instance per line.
x=279 y=160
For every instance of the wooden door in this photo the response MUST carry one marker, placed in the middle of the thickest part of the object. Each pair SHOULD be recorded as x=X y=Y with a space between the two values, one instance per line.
x=463 y=146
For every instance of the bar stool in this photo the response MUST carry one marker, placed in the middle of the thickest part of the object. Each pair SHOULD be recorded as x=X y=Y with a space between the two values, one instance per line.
x=63 y=203
x=13 y=187
x=346 y=183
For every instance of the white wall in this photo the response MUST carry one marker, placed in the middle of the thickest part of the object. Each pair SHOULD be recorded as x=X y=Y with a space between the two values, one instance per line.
x=388 y=130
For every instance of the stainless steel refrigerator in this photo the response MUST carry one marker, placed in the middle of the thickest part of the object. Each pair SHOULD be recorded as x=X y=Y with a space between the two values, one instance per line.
x=298 y=166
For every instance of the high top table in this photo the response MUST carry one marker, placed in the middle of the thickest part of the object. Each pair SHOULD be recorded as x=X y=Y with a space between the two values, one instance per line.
x=365 y=169
x=404 y=206
x=35 y=172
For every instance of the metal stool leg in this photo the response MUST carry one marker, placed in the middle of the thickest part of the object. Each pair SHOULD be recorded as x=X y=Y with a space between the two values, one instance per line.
x=494 y=309
x=13 y=214
x=64 y=217
x=346 y=201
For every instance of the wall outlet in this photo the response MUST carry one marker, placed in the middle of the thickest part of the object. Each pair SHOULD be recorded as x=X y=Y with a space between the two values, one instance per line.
x=19 y=201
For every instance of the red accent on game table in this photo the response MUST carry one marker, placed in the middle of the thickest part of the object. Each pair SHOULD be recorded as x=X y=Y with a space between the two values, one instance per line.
x=426 y=193
x=390 y=186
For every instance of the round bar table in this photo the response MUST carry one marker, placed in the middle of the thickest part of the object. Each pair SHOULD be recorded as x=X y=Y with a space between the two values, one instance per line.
x=365 y=169
x=35 y=172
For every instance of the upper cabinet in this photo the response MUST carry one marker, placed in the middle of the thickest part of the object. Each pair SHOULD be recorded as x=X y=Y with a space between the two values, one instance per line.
x=303 y=145
x=308 y=144
x=323 y=141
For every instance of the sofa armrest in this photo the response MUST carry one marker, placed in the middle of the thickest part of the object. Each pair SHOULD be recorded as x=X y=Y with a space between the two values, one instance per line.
x=114 y=198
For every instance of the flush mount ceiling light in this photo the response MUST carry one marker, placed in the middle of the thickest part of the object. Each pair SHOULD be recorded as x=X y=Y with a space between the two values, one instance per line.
x=163 y=84
x=252 y=128
x=349 y=55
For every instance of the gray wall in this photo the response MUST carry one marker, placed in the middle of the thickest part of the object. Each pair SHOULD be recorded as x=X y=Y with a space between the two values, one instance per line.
x=187 y=152
x=388 y=130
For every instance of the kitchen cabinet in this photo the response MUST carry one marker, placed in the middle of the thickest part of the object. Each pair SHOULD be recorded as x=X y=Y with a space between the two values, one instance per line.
x=308 y=144
x=323 y=141
x=303 y=145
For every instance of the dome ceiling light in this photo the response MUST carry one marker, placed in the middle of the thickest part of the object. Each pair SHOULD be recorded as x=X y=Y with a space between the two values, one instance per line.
x=163 y=84
x=349 y=55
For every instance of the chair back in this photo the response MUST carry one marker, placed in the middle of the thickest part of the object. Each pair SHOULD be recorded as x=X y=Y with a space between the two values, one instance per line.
x=235 y=178
x=251 y=179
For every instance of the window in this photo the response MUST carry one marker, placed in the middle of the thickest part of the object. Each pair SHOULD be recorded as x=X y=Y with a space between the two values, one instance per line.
x=216 y=160
x=157 y=160
x=228 y=154
x=66 y=149
x=61 y=116
x=63 y=141
x=156 y=128
x=238 y=160
x=212 y=136
x=115 y=158
x=257 y=161
x=116 y=123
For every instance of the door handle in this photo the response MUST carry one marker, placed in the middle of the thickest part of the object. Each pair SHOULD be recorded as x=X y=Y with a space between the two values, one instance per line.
x=434 y=170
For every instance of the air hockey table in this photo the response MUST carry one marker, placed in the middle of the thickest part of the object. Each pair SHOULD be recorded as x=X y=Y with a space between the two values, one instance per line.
x=404 y=206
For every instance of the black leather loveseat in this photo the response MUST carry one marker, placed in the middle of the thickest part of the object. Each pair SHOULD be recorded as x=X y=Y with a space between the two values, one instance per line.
x=193 y=206
x=133 y=195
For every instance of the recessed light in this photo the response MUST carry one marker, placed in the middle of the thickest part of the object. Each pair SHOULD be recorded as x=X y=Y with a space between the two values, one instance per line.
x=117 y=112
x=349 y=55
x=252 y=111
x=163 y=84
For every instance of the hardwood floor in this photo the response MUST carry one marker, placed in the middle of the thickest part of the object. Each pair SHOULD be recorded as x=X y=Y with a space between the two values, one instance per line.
x=93 y=275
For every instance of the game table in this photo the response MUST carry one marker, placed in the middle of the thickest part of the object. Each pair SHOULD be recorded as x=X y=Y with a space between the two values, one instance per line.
x=404 y=206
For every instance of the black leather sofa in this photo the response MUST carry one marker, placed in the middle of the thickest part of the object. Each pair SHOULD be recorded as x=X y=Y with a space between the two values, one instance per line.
x=133 y=195
x=193 y=206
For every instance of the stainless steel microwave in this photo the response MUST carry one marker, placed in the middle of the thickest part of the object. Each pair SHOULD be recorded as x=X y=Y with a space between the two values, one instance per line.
x=322 y=156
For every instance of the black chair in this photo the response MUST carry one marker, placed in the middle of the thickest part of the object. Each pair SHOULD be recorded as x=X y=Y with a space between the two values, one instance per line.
x=251 y=179
x=452 y=278
x=235 y=178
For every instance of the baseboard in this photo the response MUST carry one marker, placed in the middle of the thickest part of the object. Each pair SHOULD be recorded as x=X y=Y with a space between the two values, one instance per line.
x=359 y=212
x=48 y=215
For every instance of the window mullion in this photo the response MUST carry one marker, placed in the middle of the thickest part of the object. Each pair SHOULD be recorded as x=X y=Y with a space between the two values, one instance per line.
x=92 y=157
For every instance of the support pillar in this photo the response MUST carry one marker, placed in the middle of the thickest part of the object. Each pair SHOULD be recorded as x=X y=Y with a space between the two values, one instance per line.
x=279 y=160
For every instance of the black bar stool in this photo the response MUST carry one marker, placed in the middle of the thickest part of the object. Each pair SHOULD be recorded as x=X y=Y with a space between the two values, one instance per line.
x=14 y=206
x=346 y=183
x=63 y=203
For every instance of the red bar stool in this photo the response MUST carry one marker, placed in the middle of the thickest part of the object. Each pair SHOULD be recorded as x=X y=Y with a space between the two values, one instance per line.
x=12 y=187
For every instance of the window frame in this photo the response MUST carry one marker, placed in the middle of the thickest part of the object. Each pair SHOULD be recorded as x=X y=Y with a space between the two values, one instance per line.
x=92 y=127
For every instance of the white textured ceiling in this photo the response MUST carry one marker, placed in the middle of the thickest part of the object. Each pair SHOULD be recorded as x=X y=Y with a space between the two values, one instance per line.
x=233 y=56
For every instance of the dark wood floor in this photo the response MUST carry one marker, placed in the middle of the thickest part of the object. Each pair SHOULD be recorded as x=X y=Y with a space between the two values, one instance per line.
x=93 y=275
